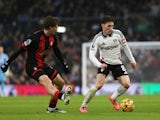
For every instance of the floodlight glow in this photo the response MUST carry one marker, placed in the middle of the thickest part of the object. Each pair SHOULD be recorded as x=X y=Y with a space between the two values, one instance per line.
x=61 y=29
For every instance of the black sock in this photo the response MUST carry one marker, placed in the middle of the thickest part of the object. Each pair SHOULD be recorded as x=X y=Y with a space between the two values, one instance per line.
x=60 y=96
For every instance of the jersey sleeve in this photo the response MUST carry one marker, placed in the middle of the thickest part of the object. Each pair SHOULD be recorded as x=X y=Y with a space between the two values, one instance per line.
x=24 y=46
x=92 y=52
x=57 y=51
x=15 y=54
x=55 y=44
x=126 y=48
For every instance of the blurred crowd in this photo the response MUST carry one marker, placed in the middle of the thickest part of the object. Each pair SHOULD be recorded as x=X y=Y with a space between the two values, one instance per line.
x=137 y=19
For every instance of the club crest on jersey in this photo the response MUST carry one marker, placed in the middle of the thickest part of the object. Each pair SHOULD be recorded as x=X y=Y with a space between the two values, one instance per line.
x=124 y=41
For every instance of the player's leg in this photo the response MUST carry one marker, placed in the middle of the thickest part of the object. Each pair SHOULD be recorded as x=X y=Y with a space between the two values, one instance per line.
x=119 y=72
x=100 y=80
x=125 y=84
x=47 y=83
x=44 y=75
x=52 y=90
x=2 y=80
x=52 y=106
x=58 y=82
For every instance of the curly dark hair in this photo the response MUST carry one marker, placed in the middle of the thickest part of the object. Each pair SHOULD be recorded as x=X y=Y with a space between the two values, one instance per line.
x=50 y=21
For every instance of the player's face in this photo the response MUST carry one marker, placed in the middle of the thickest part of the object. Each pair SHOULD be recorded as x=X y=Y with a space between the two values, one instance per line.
x=53 y=29
x=1 y=49
x=107 y=28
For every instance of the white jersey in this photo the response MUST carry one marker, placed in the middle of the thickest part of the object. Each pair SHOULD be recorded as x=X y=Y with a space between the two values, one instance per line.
x=109 y=48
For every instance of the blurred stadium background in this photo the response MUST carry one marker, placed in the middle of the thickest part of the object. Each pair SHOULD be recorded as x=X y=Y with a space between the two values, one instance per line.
x=138 y=20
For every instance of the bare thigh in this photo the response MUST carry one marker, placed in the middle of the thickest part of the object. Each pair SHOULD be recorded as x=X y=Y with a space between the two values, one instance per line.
x=100 y=80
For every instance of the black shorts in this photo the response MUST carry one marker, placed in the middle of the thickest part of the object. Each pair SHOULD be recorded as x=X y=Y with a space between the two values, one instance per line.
x=117 y=70
x=36 y=71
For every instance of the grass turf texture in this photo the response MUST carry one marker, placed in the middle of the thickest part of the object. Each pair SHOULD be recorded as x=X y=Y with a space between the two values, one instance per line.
x=147 y=107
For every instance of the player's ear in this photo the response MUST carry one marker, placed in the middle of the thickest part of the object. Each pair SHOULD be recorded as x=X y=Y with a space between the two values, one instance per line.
x=102 y=24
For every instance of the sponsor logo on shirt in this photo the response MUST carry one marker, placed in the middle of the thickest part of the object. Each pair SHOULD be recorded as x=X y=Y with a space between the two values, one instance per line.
x=109 y=47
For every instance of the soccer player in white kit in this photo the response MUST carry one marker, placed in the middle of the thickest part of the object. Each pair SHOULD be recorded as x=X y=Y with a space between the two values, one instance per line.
x=109 y=43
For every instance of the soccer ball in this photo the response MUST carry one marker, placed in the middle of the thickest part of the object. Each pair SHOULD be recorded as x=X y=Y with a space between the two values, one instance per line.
x=127 y=105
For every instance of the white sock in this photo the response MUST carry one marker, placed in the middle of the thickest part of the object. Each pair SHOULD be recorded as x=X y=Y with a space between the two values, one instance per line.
x=121 y=90
x=91 y=93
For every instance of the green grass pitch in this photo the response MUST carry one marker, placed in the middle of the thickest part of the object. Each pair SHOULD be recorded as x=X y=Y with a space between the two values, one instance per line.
x=147 y=107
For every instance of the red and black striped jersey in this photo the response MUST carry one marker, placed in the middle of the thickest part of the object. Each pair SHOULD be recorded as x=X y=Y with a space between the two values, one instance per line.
x=37 y=47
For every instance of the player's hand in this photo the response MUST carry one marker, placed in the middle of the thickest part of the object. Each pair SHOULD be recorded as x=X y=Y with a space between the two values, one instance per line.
x=65 y=68
x=4 y=67
x=103 y=66
x=134 y=65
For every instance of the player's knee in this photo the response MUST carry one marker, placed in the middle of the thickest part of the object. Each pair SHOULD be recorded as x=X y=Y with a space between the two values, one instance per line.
x=126 y=85
x=44 y=80
x=99 y=87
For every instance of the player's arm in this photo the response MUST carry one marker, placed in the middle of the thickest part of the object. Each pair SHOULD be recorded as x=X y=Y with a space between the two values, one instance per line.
x=127 y=51
x=15 y=54
x=20 y=50
x=92 y=54
x=4 y=67
x=58 y=54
